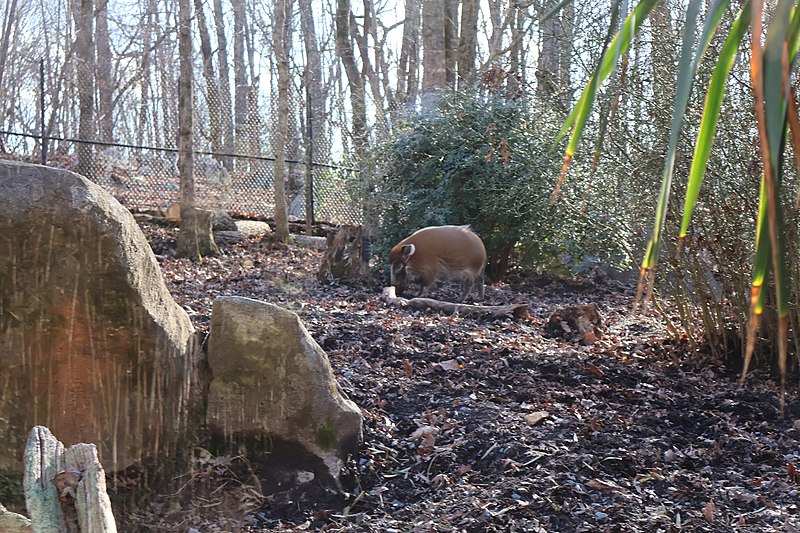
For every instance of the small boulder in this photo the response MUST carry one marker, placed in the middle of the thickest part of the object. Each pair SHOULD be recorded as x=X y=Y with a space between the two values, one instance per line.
x=274 y=391
x=13 y=522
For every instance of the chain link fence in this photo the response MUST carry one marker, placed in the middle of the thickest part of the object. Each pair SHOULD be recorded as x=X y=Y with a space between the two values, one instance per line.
x=144 y=178
x=136 y=161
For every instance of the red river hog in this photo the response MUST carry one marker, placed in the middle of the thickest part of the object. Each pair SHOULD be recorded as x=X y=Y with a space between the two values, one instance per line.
x=439 y=253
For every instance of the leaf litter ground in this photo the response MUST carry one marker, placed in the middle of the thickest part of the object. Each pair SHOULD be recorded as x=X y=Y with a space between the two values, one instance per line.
x=490 y=425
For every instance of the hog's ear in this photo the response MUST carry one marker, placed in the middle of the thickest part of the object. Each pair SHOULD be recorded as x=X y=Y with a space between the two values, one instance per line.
x=407 y=251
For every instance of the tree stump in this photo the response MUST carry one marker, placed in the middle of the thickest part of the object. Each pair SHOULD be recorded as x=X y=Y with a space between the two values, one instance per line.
x=65 y=490
x=347 y=255
x=196 y=238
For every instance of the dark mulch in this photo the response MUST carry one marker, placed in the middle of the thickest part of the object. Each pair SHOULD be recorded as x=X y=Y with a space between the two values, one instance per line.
x=489 y=425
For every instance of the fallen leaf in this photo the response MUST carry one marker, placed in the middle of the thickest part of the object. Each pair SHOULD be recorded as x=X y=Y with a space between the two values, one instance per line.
x=463 y=469
x=794 y=475
x=535 y=418
x=589 y=338
x=450 y=364
x=709 y=510
x=601 y=485
x=427 y=437
x=592 y=368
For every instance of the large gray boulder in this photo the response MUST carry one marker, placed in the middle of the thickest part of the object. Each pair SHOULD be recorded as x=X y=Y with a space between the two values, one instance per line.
x=92 y=345
x=272 y=387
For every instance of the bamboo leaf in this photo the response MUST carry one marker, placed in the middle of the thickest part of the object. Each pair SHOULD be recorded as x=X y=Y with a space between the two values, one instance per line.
x=776 y=80
x=555 y=10
x=685 y=77
x=794 y=35
x=715 y=12
x=770 y=75
x=760 y=272
x=711 y=111
x=580 y=113
x=618 y=46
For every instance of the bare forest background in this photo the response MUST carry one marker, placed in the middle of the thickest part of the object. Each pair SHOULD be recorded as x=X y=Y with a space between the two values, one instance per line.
x=99 y=79
x=378 y=107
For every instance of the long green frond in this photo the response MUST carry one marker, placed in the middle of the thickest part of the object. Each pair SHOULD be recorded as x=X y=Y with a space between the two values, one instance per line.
x=618 y=46
x=685 y=78
x=711 y=111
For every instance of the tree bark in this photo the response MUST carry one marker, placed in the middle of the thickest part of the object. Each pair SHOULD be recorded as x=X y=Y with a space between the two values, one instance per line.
x=105 y=77
x=194 y=240
x=468 y=42
x=240 y=106
x=407 y=72
x=355 y=81
x=281 y=49
x=434 y=70
x=555 y=56
x=212 y=91
x=9 y=19
x=313 y=80
x=65 y=489
x=367 y=70
x=226 y=113
x=144 y=70
x=84 y=55
x=450 y=41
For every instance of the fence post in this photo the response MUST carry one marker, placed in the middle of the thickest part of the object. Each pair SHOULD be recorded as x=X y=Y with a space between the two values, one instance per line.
x=41 y=97
x=309 y=162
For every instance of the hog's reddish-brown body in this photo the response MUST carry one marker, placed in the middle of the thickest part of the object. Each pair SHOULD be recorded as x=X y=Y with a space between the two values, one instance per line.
x=438 y=253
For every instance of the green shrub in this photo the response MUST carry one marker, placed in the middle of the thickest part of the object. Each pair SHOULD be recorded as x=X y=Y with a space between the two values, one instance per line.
x=485 y=161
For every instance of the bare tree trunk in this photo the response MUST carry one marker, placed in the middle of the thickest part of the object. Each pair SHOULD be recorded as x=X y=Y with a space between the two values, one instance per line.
x=212 y=91
x=450 y=41
x=144 y=70
x=517 y=51
x=555 y=54
x=194 y=240
x=367 y=70
x=239 y=74
x=663 y=61
x=281 y=48
x=409 y=55
x=165 y=59
x=355 y=81
x=468 y=42
x=565 y=57
x=226 y=115
x=105 y=81
x=496 y=37
x=84 y=54
x=434 y=71
x=9 y=19
x=313 y=80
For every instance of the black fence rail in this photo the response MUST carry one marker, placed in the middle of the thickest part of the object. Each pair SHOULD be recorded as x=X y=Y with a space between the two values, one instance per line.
x=144 y=178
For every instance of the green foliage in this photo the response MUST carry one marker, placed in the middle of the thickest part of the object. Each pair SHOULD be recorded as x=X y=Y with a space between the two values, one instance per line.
x=484 y=161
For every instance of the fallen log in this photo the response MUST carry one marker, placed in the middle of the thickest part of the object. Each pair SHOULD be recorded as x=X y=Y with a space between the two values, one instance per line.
x=65 y=489
x=518 y=311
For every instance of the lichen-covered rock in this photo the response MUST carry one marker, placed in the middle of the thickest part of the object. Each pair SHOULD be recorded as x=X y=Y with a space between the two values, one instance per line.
x=273 y=389
x=92 y=345
x=13 y=522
